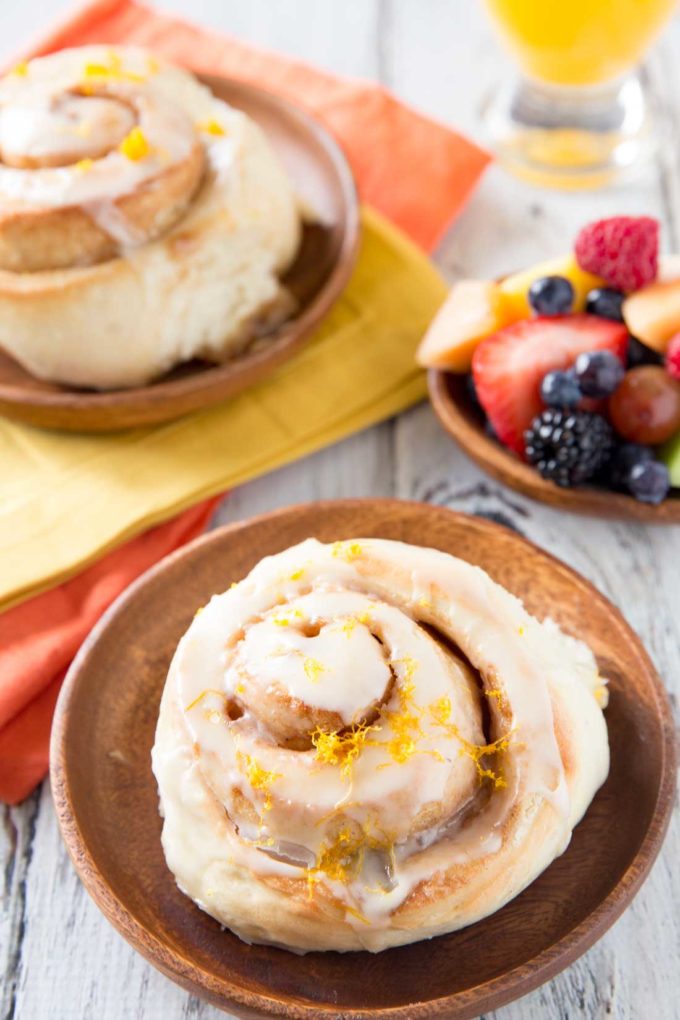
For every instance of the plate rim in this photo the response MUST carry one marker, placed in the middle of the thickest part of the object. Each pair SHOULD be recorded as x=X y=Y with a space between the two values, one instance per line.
x=505 y=467
x=465 y=1005
x=27 y=405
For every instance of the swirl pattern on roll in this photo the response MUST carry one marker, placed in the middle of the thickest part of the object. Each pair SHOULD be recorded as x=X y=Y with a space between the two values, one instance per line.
x=365 y=744
x=95 y=158
x=146 y=220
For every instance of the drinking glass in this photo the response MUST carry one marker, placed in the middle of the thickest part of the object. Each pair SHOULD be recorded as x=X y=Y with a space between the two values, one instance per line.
x=579 y=113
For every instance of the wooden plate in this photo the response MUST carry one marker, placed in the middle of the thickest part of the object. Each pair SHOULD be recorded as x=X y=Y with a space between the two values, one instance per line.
x=461 y=419
x=107 y=804
x=322 y=178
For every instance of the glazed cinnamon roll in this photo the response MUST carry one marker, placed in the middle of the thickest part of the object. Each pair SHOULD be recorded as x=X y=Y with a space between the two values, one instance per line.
x=365 y=744
x=142 y=221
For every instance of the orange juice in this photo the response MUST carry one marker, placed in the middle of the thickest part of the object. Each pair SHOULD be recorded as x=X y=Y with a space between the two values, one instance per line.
x=579 y=42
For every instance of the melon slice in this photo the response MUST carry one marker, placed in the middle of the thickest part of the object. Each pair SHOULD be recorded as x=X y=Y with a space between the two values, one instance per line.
x=652 y=314
x=473 y=310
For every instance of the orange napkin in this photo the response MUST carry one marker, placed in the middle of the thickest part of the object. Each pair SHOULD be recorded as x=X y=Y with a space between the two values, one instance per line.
x=384 y=142
x=40 y=637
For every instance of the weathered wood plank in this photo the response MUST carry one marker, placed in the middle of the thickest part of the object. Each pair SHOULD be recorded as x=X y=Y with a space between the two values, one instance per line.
x=17 y=833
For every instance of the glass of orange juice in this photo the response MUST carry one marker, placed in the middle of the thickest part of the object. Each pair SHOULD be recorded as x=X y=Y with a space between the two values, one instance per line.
x=578 y=115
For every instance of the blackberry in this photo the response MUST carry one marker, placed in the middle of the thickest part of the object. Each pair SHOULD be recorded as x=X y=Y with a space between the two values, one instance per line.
x=568 y=447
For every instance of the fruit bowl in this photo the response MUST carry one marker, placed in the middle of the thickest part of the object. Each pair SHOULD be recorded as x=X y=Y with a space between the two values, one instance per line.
x=460 y=416
x=563 y=379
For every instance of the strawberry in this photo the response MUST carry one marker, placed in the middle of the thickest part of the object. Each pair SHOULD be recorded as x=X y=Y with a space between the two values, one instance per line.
x=508 y=366
x=623 y=250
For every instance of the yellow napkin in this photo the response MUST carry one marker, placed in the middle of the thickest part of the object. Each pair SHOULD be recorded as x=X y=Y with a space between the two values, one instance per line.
x=67 y=499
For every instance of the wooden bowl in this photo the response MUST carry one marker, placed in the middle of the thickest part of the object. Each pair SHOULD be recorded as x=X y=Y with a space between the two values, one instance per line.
x=323 y=179
x=107 y=804
x=460 y=417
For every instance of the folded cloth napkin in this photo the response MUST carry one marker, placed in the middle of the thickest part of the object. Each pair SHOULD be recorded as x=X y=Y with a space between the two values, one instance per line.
x=68 y=500
x=40 y=637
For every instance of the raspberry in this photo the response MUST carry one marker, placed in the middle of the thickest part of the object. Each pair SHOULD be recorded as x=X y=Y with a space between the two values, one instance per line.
x=673 y=357
x=623 y=250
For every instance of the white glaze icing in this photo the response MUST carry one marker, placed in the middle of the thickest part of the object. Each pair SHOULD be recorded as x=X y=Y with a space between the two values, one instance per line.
x=357 y=610
x=45 y=116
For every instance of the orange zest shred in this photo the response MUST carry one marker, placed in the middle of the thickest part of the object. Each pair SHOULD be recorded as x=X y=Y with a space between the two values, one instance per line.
x=260 y=779
x=405 y=722
x=135 y=145
x=297 y=574
x=343 y=749
x=284 y=621
x=351 y=622
x=211 y=127
x=208 y=690
x=356 y=914
x=441 y=714
x=601 y=695
x=111 y=71
x=499 y=697
x=341 y=859
x=20 y=69
x=313 y=669
x=347 y=550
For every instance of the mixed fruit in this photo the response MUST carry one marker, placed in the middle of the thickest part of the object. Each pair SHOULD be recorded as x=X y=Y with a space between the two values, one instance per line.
x=575 y=363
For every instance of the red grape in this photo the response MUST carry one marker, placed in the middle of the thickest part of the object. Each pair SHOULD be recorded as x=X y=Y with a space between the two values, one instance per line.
x=646 y=406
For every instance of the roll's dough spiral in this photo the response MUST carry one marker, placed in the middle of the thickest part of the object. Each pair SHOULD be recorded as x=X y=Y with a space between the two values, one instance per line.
x=366 y=744
x=142 y=220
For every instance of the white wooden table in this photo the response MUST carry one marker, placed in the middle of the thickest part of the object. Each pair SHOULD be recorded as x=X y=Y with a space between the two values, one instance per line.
x=59 y=958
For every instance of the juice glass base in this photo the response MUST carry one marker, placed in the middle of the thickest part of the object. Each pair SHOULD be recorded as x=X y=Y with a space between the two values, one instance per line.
x=571 y=137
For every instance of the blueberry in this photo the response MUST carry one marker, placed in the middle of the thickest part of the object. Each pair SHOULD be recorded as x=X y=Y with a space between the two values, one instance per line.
x=626 y=457
x=639 y=354
x=598 y=373
x=606 y=302
x=649 y=482
x=560 y=389
x=551 y=295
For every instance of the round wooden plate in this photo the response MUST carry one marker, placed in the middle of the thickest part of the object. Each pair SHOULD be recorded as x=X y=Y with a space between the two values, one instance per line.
x=323 y=180
x=460 y=417
x=107 y=803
